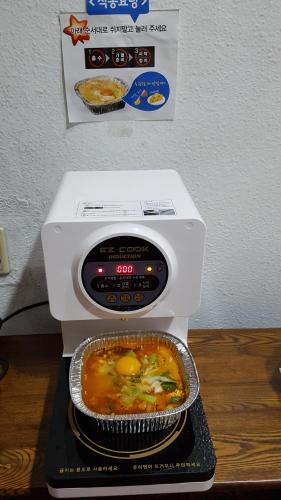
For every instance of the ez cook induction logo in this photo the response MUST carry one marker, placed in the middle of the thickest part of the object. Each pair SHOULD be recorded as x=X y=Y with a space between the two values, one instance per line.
x=77 y=30
x=142 y=249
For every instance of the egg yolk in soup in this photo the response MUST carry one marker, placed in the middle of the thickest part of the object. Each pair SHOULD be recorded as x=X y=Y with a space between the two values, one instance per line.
x=128 y=365
x=132 y=379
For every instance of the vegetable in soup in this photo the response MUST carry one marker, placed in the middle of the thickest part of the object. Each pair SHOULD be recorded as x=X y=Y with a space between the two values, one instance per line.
x=131 y=379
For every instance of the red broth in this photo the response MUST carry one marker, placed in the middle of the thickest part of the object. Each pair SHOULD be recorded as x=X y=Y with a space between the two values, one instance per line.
x=130 y=379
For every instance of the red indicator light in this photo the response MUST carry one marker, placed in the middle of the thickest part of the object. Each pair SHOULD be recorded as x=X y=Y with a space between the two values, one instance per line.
x=124 y=269
x=100 y=270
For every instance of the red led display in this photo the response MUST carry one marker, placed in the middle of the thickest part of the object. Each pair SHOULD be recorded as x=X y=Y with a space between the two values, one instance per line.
x=124 y=269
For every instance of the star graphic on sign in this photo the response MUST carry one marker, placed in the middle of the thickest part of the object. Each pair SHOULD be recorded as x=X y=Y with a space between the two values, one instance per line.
x=76 y=30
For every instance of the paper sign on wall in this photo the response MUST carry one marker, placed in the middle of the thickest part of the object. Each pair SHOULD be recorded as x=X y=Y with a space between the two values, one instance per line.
x=116 y=69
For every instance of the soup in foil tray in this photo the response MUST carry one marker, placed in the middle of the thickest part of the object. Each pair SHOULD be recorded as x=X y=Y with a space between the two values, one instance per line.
x=132 y=379
x=101 y=91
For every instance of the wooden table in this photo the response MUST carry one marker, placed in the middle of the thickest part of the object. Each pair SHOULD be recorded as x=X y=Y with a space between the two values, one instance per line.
x=240 y=387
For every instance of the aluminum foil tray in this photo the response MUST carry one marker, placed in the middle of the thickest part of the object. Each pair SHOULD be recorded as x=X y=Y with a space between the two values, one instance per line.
x=99 y=109
x=141 y=422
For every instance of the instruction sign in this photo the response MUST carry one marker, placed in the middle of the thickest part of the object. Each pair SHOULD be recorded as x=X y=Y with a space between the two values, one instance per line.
x=116 y=69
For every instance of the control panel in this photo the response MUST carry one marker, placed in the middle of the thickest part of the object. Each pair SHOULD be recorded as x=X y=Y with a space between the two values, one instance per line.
x=124 y=273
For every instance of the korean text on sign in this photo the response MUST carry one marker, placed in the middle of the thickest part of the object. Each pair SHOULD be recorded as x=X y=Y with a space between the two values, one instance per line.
x=131 y=7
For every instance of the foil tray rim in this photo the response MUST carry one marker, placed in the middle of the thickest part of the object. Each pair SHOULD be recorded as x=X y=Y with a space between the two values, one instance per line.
x=190 y=373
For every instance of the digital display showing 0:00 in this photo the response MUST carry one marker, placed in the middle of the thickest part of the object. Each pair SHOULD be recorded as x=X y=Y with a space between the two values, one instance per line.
x=124 y=269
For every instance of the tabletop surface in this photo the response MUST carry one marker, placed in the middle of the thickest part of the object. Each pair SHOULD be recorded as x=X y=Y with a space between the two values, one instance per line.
x=240 y=387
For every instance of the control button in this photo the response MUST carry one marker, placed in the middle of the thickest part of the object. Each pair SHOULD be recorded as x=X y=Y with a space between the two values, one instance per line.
x=102 y=286
x=137 y=284
x=111 y=298
x=125 y=285
x=146 y=284
x=139 y=297
x=125 y=298
x=160 y=268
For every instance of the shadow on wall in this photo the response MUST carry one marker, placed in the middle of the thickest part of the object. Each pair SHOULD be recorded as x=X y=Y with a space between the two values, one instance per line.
x=30 y=289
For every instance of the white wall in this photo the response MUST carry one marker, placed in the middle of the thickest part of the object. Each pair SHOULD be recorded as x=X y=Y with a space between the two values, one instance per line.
x=225 y=142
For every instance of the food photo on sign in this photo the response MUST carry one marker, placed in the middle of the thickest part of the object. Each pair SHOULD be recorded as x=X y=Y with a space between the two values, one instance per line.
x=118 y=69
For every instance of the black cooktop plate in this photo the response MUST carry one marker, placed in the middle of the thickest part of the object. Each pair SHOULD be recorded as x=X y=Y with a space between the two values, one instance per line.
x=80 y=454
